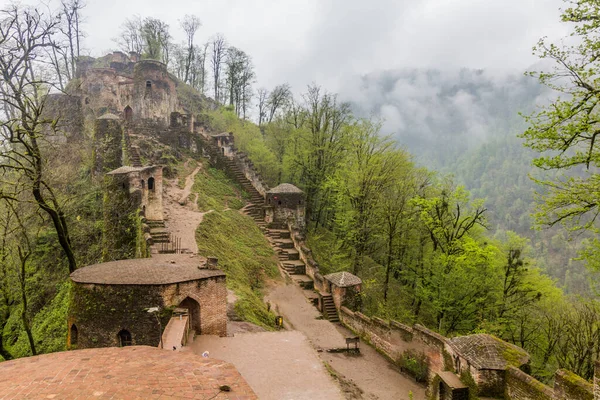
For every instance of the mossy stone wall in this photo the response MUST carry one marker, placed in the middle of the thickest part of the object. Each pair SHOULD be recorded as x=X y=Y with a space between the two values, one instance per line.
x=100 y=312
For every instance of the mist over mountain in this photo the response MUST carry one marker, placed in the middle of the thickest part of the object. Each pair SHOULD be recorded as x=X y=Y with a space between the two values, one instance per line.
x=440 y=114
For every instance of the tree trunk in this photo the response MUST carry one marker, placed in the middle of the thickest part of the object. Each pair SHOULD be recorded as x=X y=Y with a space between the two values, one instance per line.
x=58 y=218
x=23 y=258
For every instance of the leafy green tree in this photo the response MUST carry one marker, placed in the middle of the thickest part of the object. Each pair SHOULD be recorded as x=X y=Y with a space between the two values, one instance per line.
x=156 y=37
x=322 y=146
x=566 y=131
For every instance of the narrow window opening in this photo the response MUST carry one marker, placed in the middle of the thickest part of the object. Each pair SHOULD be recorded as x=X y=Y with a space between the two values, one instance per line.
x=128 y=113
x=124 y=338
x=143 y=184
x=74 y=335
x=150 y=183
x=148 y=84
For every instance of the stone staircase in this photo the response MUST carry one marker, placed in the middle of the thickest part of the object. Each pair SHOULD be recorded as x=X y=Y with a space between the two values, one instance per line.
x=329 y=310
x=254 y=208
x=289 y=258
x=158 y=231
x=134 y=156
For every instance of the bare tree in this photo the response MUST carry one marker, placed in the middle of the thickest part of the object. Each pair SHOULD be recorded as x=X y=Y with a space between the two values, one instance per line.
x=198 y=70
x=71 y=29
x=131 y=38
x=68 y=38
x=278 y=98
x=190 y=25
x=25 y=38
x=262 y=95
x=218 y=48
x=239 y=78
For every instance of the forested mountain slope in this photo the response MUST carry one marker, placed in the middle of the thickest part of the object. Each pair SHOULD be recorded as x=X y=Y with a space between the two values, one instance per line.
x=466 y=123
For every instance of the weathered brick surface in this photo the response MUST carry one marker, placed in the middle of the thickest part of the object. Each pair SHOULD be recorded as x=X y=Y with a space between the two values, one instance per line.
x=137 y=372
x=211 y=294
x=568 y=386
x=520 y=386
x=393 y=338
x=101 y=311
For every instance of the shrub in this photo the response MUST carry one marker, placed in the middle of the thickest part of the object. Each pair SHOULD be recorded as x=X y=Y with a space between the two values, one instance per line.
x=415 y=363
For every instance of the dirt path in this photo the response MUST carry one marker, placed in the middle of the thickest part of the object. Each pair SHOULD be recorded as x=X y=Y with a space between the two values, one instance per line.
x=182 y=216
x=277 y=365
x=375 y=377
x=282 y=365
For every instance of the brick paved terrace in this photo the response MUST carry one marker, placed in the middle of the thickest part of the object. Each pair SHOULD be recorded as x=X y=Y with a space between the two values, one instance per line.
x=137 y=372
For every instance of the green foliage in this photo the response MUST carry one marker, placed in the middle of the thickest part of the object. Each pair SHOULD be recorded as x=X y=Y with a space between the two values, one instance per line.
x=328 y=251
x=216 y=191
x=564 y=132
x=49 y=327
x=415 y=363
x=245 y=256
x=467 y=379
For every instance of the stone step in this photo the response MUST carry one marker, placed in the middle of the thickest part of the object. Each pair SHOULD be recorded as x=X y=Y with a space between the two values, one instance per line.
x=279 y=233
x=285 y=243
x=294 y=263
x=303 y=281
x=155 y=223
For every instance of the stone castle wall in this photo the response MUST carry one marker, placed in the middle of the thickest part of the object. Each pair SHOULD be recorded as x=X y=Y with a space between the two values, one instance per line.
x=211 y=294
x=392 y=338
x=100 y=312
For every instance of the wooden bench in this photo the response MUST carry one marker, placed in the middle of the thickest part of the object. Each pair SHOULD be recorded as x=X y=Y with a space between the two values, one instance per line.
x=352 y=340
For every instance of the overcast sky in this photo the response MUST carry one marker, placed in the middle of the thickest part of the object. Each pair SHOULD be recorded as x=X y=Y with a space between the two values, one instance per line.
x=330 y=41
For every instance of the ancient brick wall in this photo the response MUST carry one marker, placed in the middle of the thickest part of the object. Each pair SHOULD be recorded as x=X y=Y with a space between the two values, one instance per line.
x=393 y=338
x=100 y=312
x=120 y=207
x=569 y=386
x=520 y=386
x=152 y=197
x=491 y=383
x=211 y=294
x=154 y=92
x=65 y=112
x=108 y=145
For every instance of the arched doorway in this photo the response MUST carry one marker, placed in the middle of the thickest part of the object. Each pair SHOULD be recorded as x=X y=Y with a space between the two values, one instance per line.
x=74 y=335
x=124 y=338
x=193 y=312
x=128 y=114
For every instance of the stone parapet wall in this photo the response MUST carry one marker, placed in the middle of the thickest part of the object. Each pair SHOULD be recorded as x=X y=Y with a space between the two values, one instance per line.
x=394 y=338
x=569 y=386
x=247 y=167
x=520 y=386
x=219 y=160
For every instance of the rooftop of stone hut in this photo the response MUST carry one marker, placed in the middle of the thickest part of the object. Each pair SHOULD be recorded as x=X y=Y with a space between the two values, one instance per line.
x=285 y=188
x=485 y=351
x=161 y=269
